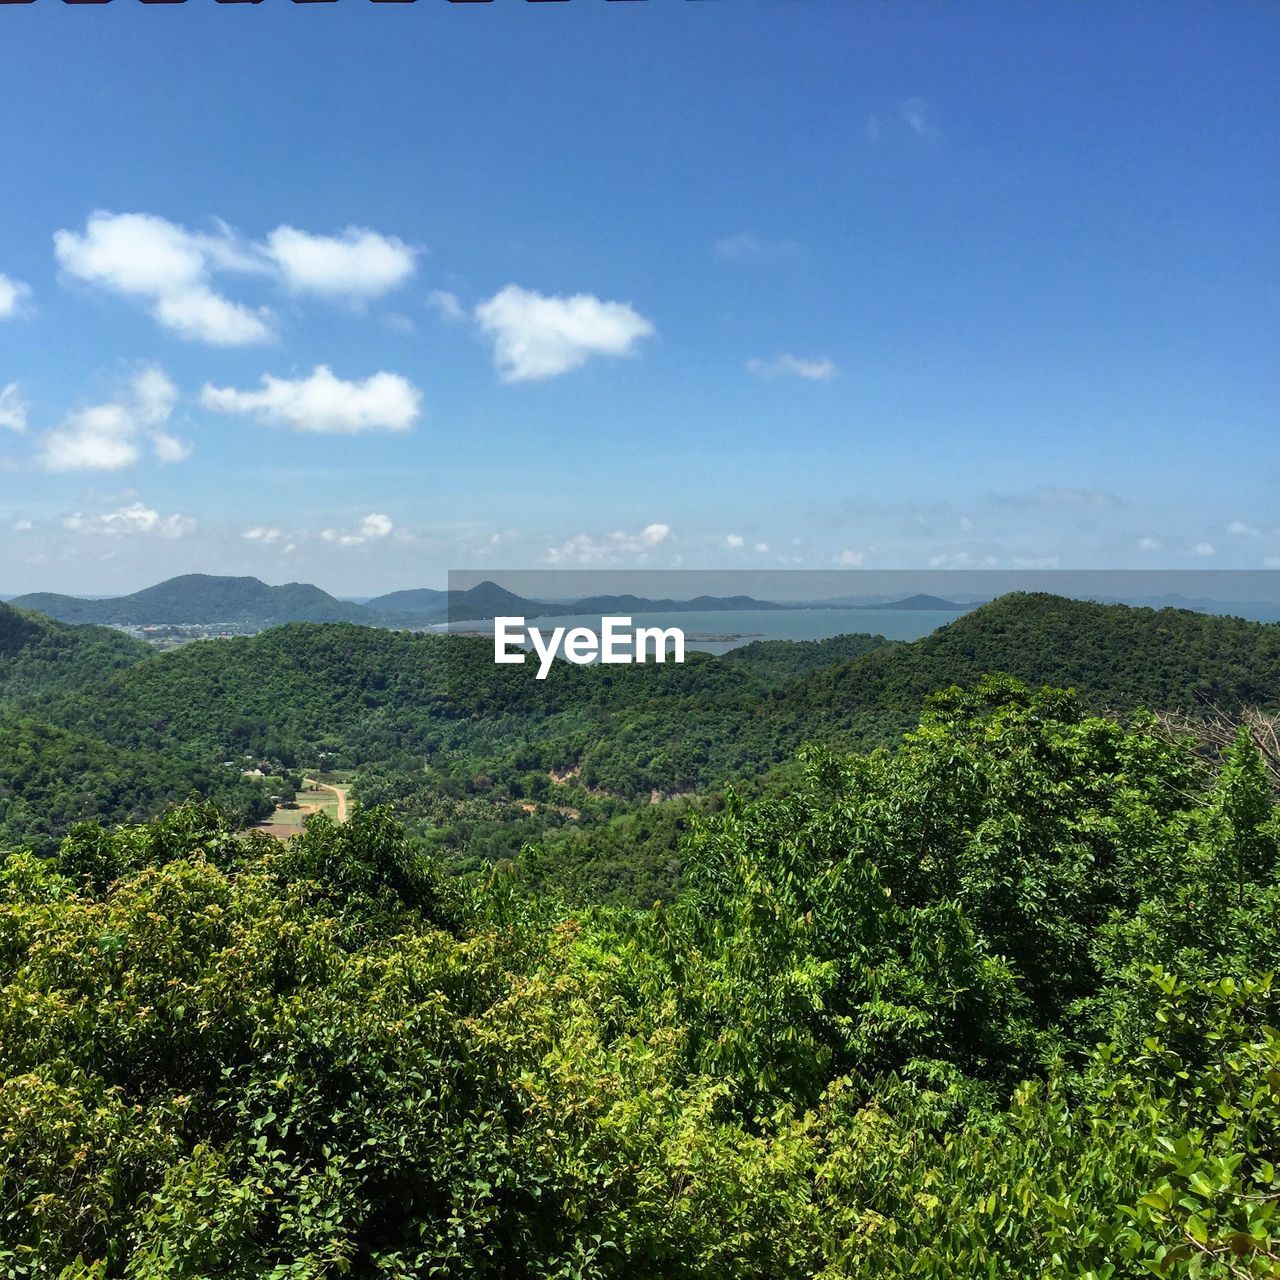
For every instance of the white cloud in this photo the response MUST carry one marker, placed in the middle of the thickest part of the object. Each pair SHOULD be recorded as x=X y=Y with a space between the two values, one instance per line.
x=263 y=534
x=962 y=560
x=170 y=268
x=133 y=519
x=200 y=315
x=1203 y=549
x=154 y=396
x=851 y=558
x=761 y=547
x=103 y=437
x=793 y=366
x=584 y=549
x=108 y=437
x=1238 y=529
x=148 y=258
x=446 y=305
x=323 y=403
x=13 y=409
x=169 y=448
x=1150 y=544
x=734 y=540
x=359 y=264
x=371 y=529
x=537 y=336
x=22 y=526
x=13 y=297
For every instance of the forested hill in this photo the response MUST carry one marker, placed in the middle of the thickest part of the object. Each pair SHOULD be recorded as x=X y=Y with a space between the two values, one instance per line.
x=1116 y=656
x=365 y=695
x=39 y=656
x=203 y=598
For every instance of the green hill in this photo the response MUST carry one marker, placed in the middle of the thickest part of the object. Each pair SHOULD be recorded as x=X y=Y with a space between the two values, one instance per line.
x=39 y=656
x=205 y=599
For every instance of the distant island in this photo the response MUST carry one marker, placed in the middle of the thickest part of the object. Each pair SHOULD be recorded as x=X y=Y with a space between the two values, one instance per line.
x=922 y=602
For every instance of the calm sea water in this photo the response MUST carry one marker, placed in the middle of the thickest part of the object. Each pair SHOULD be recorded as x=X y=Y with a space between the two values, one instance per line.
x=719 y=632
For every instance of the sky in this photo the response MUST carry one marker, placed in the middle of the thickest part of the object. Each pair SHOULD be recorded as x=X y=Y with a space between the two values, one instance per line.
x=357 y=294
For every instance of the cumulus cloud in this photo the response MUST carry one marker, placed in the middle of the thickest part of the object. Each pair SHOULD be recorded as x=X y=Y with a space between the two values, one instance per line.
x=761 y=547
x=359 y=264
x=1203 y=549
x=789 y=366
x=107 y=437
x=539 y=336
x=584 y=549
x=133 y=519
x=13 y=409
x=170 y=268
x=161 y=263
x=734 y=540
x=372 y=528
x=13 y=297
x=322 y=402
x=1238 y=529
x=850 y=558
x=1150 y=544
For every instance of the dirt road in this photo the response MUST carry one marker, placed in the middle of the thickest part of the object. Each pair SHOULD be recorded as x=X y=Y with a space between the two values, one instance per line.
x=341 y=794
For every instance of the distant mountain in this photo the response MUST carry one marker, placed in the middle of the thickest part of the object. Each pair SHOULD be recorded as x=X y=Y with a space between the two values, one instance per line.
x=934 y=603
x=488 y=600
x=205 y=599
x=421 y=600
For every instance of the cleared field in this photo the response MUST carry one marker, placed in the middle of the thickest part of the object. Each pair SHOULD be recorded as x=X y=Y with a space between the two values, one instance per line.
x=329 y=798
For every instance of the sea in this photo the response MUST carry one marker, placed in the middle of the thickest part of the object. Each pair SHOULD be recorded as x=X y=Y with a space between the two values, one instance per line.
x=720 y=631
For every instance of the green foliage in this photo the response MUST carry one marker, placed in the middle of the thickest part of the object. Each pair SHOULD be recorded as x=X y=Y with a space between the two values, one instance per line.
x=51 y=779
x=996 y=1004
x=39 y=657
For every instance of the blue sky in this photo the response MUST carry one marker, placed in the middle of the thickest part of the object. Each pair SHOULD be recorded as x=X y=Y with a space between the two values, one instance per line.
x=358 y=293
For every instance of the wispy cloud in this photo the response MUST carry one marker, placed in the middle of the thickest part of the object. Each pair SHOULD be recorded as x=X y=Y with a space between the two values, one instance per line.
x=788 y=366
x=916 y=114
x=615 y=548
x=446 y=305
x=373 y=528
x=910 y=117
x=13 y=409
x=13 y=297
x=135 y=519
x=746 y=247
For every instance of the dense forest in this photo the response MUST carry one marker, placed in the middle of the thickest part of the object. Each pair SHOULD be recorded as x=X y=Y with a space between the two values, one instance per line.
x=997 y=1002
x=591 y=776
